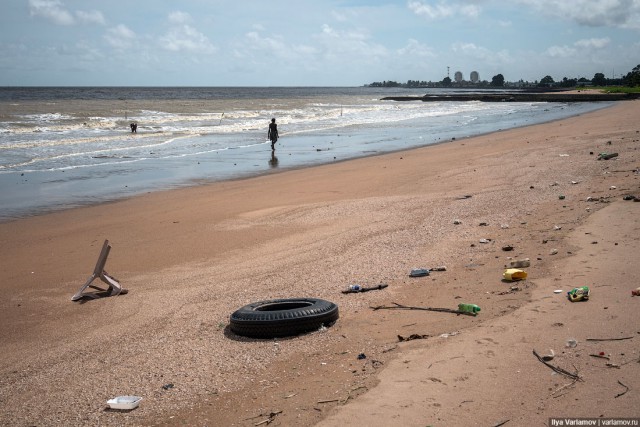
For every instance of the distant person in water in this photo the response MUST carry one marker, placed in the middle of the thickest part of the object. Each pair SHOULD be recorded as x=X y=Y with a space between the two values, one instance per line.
x=273 y=133
x=134 y=127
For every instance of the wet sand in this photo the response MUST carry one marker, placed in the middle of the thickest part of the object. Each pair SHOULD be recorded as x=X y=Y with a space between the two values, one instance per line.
x=190 y=257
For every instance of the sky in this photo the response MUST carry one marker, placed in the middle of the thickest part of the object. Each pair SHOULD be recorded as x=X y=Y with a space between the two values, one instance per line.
x=311 y=42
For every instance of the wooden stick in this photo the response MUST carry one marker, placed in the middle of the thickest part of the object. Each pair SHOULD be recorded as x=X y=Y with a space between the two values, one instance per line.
x=374 y=288
x=557 y=369
x=270 y=419
x=627 y=389
x=609 y=339
x=328 y=401
x=404 y=307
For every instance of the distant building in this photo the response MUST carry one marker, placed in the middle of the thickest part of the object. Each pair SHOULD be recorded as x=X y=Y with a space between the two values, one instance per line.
x=474 y=77
x=458 y=76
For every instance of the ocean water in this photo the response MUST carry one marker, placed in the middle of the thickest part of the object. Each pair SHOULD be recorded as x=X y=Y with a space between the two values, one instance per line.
x=68 y=147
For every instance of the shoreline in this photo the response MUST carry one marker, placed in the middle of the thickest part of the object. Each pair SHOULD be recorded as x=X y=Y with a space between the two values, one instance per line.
x=189 y=257
x=41 y=192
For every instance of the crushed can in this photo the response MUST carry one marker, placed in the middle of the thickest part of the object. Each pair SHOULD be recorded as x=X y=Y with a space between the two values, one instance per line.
x=579 y=294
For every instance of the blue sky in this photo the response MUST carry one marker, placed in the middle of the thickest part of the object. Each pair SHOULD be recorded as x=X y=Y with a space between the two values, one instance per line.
x=311 y=42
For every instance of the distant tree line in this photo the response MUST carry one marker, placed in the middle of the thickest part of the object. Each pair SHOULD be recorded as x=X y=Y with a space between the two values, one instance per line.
x=631 y=79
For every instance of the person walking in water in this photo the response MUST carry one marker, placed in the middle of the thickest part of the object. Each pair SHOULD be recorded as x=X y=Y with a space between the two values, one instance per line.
x=273 y=133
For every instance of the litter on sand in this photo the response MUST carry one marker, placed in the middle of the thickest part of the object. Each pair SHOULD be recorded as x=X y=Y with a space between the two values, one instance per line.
x=513 y=274
x=419 y=272
x=124 y=402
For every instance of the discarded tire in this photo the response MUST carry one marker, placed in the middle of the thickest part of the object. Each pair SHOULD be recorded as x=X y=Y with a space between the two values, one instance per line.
x=282 y=317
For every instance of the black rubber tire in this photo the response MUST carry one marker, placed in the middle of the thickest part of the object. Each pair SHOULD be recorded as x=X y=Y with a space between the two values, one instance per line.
x=282 y=317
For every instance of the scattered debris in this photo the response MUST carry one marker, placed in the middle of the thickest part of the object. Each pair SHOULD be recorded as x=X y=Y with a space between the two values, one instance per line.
x=609 y=339
x=444 y=268
x=600 y=356
x=511 y=290
x=507 y=248
x=419 y=272
x=468 y=308
x=485 y=240
x=579 y=294
x=167 y=386
x=450 y=334
x=457 y=222
x=635 y=292
x=514 y=274
x=357 y=288
x=606 y=156
x=126 y=403
x=571 y=343
x=557 y=369
x=113 y=284
x=412 y=337
x=620 y=394
x=269 y=420
x=404 y=307
x=550 y=356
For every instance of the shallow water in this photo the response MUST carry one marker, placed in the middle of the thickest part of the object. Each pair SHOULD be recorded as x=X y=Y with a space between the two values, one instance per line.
x=66 y=147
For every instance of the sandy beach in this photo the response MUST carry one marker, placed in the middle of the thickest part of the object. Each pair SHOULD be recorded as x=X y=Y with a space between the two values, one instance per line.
x=190 y=257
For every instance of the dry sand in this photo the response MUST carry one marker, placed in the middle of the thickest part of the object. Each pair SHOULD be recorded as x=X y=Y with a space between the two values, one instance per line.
x=191 y=257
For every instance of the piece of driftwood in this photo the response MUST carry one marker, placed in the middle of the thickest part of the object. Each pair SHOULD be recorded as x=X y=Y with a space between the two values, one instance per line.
x=557 y=369
x=624 y=392
x=364 y=289
x=609 y=339
x=404 y=307
x=328 y=401
x=269 y=420
x=412 y=337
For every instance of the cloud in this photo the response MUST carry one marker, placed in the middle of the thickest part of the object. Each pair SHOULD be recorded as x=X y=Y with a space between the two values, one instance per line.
x=416 y=49
x=349 y=45
x=580 y=47
x=185 y=38
x=120 y=37
x=92 y=17
x=51 y=10
x=593 y=43
x=593 y=13
x=473 y=51
x=443 y=9
x=178 y=17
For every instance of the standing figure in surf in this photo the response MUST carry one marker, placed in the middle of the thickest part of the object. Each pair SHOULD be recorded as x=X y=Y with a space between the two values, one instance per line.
x=272 y=134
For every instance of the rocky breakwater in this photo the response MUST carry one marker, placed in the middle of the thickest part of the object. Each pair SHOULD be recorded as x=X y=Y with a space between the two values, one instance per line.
x=520 y=97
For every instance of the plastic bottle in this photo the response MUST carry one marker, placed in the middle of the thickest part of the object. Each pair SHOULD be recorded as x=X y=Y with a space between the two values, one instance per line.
x=579 y=294
x=354 y=288
x=468 y=308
